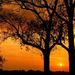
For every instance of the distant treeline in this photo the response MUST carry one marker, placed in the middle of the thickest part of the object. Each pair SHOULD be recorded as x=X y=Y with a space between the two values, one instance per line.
x=30 y=72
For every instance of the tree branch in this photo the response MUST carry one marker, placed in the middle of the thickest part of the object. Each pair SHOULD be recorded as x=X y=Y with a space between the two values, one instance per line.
x=12 y=25
x=60 y=45
x=47 y=7
x=52 y=46
x=38 y=47
x=33 y=10
x=24 y=42
x=67 y=6
x=41 y=6
x=8 y=22
x=59 y=16
x=63 y=46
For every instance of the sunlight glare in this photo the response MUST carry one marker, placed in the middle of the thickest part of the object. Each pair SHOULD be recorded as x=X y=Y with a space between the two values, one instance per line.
x=60 y=64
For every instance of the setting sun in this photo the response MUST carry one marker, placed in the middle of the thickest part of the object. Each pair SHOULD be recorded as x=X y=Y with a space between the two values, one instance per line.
x=60 y=64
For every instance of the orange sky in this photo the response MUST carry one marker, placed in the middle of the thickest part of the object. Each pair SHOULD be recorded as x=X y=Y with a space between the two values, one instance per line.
x=18 y=59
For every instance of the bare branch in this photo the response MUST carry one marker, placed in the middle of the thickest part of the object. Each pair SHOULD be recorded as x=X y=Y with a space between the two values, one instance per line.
x=63 y=46
x=38 y=47
x=41 y=6
x=37 y=15
x=52 y=46
x=47 y=7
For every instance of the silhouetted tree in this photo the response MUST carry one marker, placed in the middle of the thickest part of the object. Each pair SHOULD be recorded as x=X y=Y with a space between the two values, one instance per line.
x=68 y=7
x=34 y=33
x=2 y=60
x=34 y=6
x=66 y=14
x=70 y=11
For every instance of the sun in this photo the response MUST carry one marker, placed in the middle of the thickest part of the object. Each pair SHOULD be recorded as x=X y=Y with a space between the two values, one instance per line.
x=60 y=64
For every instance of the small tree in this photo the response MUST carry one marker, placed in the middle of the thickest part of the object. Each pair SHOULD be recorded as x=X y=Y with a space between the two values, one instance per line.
x=2 y=60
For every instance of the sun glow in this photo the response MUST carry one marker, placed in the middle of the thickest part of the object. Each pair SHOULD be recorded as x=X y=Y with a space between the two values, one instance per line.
x=60 y=64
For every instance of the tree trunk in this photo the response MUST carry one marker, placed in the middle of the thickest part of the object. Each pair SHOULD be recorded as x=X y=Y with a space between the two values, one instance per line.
x=46 y=54
x=46 y=63
x=71 y=62
x=71 y=53
x=71 y=46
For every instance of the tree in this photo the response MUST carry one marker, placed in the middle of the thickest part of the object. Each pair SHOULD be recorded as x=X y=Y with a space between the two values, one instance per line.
x=2 y=60
x=32 y=5
x=70 y=11
x=69 y=6
x=68 y=19
x=66 y=14
x=40 y=35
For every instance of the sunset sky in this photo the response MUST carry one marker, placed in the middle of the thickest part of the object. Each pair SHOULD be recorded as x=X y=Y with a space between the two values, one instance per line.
x=20 y=59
